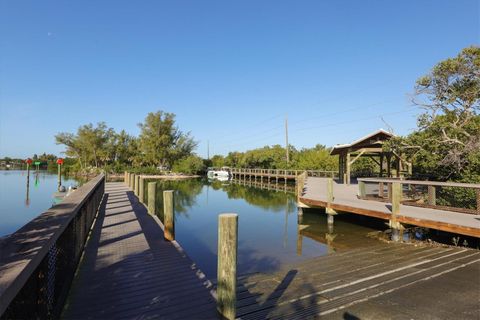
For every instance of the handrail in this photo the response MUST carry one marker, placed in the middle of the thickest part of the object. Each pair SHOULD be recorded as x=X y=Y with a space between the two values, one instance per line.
x=418 y=197
x=284 y=172
x=37 y=262
x=424 y=183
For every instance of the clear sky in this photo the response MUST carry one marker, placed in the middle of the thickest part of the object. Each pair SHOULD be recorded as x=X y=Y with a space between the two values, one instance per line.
x=230 y=70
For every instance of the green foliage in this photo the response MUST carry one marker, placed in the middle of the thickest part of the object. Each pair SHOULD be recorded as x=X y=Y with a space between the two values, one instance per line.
x=317 y=158
x=446 y=145
x=98 y=148
x=161 y=143
x=190 y=165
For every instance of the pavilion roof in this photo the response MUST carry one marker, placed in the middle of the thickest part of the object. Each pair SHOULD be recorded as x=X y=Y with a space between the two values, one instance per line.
x=372 y=140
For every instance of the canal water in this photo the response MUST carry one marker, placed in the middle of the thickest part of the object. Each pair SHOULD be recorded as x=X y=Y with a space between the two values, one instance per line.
x=20 y=201
x=270 y=233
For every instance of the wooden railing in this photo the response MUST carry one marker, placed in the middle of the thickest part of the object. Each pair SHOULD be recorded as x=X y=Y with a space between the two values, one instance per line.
x=450 y=196
x=283 y=172
x=38 y=262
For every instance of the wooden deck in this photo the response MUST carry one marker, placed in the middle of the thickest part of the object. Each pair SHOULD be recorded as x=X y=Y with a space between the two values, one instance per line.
x=130 y=271
x=345 y=199
x=389 y=281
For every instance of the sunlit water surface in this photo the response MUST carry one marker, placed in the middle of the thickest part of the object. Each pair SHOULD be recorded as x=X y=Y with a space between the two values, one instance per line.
x=20 y=201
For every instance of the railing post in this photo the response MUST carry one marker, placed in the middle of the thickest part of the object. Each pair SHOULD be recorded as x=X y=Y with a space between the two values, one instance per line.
x=141 y=190
x=432 y=195
x=361 y=189
x=227 y=265
x=478 y=201
x=152 y=193
x=380 y=189
x=168 y=215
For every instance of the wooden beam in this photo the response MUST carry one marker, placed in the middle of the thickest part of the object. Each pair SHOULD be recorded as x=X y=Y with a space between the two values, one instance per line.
x=358 y=156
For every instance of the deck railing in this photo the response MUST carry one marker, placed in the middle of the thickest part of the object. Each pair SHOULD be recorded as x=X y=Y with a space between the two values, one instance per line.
x=283 y=172
x=450 y=196
x=38 y=262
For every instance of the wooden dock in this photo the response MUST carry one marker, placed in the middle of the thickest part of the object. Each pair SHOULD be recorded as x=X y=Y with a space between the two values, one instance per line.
x=277 y=175
x=389 y=281
x=129 y=271
x=314 y=194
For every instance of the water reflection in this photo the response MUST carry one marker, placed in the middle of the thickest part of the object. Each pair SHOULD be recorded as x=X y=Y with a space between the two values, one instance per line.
x=269 y=234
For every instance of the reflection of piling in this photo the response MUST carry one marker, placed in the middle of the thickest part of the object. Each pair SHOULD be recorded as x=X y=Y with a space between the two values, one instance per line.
x=168 y=215
x=227 y=265
x=152 y=192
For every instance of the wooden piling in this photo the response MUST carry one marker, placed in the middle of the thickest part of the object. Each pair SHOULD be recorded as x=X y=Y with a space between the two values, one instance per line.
x=125 y=178
x=380 y=189
x=396 y=197
x=478 y=201
x=168 y=215
x=432 y=195
x=330 y=196
x=141 y=190
x=152 y=192
x=137 y=185
x=133 y=182
x=227 y=265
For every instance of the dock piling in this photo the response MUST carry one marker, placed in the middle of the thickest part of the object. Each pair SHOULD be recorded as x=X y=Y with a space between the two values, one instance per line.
x=141 y=190
x=168 y=215
x=227 y=265
x=152 y=192
x=137 y=184
x=330 y=198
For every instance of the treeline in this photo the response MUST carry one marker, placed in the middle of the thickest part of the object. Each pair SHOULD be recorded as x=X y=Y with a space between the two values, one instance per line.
x=161 y=145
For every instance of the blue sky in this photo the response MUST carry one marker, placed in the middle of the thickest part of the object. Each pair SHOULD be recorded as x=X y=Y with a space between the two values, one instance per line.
x=230 y=70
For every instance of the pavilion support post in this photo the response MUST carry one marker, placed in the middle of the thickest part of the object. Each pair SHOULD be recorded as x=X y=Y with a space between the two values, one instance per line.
x=381 y=165
x=348 y=167
x=227 y=265
x=168 y=215
x=152 y=195
x=432 y=195
x=389 y=163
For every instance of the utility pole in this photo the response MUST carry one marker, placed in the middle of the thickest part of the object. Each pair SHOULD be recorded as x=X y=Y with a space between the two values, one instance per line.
x=208 y=149
x=286 y=138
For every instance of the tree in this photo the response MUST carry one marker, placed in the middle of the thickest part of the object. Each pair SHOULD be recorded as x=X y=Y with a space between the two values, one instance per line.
x=192 y=164
x=161 y=142
x=447 y=141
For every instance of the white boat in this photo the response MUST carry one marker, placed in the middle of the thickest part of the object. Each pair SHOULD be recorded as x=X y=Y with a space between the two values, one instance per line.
x=223 y=172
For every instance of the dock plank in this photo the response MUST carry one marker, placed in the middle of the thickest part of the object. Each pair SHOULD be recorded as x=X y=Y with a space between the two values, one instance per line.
x=130 y=271
x=308 y=291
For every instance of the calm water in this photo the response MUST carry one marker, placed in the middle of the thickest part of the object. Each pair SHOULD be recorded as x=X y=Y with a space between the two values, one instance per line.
x=270 y=233
x=19 y=204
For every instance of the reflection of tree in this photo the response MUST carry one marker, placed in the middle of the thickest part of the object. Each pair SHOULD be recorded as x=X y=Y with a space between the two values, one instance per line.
x=185 y=194
x=265 y=199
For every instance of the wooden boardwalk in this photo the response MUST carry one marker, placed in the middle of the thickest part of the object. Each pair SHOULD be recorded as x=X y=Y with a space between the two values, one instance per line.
x=130 y=272
x=389 y=281
x=345 y=199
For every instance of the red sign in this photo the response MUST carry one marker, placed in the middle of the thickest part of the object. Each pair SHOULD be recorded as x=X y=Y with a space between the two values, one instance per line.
x=60 y=161
x=29 y=161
